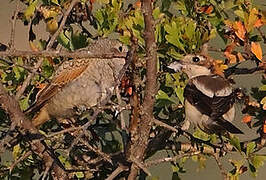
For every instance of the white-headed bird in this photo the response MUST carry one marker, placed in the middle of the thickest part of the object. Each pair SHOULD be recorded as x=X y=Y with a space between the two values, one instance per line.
x=209 y=98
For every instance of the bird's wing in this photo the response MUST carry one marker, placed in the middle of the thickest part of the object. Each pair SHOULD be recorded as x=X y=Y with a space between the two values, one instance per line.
x=67 y=72
x=212 y=95
x=213 y=99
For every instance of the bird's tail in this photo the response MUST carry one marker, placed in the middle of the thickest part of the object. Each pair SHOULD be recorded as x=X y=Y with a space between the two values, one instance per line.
x=228 y=126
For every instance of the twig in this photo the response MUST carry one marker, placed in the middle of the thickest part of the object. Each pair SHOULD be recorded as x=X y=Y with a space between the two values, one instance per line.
x=64 y=131
x=141 y=166
x=162 y=124
x=13 y=30
x=55 y=35
x=28 y=79
x=106 y=157
x=24 y=156
x=117 y=171
x=171 y=159
x=222 y=170
x=237 y=71
x=66 y=54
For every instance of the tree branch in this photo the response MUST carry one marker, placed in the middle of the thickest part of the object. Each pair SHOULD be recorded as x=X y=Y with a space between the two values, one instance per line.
x=18 y=119
x=140 y=139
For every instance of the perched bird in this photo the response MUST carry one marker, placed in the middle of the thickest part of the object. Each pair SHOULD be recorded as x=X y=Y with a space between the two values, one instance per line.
x=209 y=98
x=79 y=83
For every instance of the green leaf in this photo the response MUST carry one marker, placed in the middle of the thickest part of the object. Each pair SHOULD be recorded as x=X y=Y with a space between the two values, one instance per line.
x=250 y=148
x=156 y=13
x=161 y=95
x=258 y=160
x=240 y=13
x=79 y=175
x=63 y=40
x=180 y=94
x=29 y=12
x=235 y=142
x=201 y=135
x=262 y=88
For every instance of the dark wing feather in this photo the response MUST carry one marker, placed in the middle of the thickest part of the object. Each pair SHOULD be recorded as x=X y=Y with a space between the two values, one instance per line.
x=214 y=107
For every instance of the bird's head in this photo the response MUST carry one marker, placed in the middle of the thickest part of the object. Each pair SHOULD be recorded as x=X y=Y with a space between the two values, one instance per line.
x=193 y=65
x=105 y=46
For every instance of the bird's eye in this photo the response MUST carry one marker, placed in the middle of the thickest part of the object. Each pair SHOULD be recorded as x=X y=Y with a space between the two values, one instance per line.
x=120 y=48
x=195 y=59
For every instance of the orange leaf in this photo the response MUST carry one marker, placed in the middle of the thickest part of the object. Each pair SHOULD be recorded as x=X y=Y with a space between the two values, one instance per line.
x=219 y=67
x=264 y=127
x=258 y=23
x=240 y=57
x=231 y=57
x=206 y=9
x=230 y=47
x=138 y=4
x=256 y=50
x=41 y=85
x=240 y=30
x=246 y=119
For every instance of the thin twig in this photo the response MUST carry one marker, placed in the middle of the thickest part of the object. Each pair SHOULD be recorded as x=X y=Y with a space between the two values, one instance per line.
x=171 y=159
x=106 y=157
x=162 y=124
x=222 y=170
x=24 y=156
x=117 y=171
x=13 y=29
x=141 y=166
x=27 y=80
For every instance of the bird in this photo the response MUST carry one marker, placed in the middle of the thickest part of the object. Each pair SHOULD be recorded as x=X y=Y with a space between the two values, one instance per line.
x=208 y=98
x=79 y=83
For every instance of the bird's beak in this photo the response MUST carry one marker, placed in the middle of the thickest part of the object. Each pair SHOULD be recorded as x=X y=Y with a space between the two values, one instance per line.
x=176 y=66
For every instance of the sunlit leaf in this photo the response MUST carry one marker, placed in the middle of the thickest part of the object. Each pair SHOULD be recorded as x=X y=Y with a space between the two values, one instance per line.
x=256 y=50
x=240 y=30
x=250 y=148
x=16 y=151
x=235 y=142
x=263 y=88
x=30 y=10
x=252 y=18
x=219 y=67
x=51 y=26
x=263 y=102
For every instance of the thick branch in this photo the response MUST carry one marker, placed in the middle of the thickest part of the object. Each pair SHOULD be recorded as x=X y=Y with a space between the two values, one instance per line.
x=139 y=143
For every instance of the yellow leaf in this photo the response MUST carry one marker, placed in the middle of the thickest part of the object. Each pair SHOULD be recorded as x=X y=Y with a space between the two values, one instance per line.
x=16 y=151
x=51 y=26
x=252 y=18
x=256 y=50
x=263 y=102
x=33 y=47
